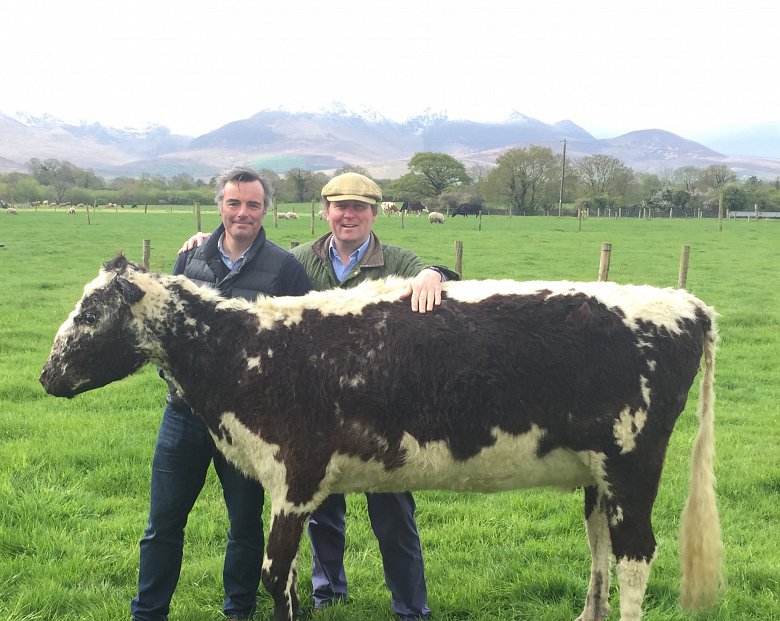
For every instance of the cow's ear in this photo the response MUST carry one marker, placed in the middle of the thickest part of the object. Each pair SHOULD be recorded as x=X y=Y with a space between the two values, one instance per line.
x=130 y=291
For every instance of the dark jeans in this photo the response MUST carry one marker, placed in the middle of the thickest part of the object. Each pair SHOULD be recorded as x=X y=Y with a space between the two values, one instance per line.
x=392 y=519
x=182 y=456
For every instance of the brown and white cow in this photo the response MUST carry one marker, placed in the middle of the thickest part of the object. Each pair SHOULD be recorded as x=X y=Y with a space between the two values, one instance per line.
x=389 y=208
x=513 y=385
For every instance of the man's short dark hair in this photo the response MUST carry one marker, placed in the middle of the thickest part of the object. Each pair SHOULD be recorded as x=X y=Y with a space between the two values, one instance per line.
x=239 y=174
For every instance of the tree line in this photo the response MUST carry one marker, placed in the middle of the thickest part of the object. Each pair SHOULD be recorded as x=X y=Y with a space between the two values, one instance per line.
x=527 y=180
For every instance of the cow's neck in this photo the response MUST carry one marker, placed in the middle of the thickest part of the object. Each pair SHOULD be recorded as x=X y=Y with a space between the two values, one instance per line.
x=195 y=343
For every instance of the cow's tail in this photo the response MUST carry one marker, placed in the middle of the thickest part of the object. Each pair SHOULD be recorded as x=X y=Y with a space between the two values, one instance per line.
x=700 y=539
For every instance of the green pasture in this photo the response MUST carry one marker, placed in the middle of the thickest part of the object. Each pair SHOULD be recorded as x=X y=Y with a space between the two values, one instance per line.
x=74 y=473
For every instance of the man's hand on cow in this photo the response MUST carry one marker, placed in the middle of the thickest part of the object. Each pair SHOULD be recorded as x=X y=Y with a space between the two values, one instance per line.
x=193 y=242
x=425 y=291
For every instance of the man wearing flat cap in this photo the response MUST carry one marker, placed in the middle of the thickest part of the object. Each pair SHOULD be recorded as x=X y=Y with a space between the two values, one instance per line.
x=350 y=254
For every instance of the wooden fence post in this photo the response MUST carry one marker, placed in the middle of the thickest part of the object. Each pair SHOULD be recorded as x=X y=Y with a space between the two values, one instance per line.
x=147 y=247
x=682 y=278
x=459 y=257
x=197 y=218
x=606 y=252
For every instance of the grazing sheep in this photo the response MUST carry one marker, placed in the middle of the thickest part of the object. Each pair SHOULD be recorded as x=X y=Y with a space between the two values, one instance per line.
x=71 y=211
x=281 y=215
x=437 y=217
x=291 y=215
x=11 y=211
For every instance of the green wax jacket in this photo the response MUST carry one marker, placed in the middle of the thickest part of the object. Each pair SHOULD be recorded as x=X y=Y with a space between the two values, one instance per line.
x=379 y=261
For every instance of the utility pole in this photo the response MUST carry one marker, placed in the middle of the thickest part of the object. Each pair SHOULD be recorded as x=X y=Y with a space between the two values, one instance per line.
x=563 y=176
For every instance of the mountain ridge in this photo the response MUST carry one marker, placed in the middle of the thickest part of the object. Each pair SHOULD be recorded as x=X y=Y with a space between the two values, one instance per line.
x=281 y=140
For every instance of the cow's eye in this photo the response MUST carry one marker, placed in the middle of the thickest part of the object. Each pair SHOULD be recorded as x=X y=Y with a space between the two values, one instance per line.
x=89 y=318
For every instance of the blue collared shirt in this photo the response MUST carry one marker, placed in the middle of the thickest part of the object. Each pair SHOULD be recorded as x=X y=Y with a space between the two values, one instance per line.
x=339 y=268
x=232 y=265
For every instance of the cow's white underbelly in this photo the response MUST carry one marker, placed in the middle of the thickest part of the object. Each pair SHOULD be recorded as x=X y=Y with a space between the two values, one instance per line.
x=510 y=463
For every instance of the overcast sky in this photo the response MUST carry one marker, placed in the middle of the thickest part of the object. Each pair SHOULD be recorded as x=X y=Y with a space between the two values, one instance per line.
x=693 y=67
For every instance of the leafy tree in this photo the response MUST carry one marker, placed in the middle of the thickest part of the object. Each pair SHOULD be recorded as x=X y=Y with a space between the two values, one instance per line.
x=87 y=179
x=183 y=181
x=409 y=187
x=351 y=168
x=65 y=177
x=21 y=188
x=527 y=178
x=273 y=179
x=318 y=181
x=689 y=177
x=603 y=174
x=299 y=183
x=58 y=175
x=437 y=172
x=734 y=198
x=479 y=172
x=717 y=176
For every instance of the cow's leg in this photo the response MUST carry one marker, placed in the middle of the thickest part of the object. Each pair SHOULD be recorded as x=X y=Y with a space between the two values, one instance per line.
x=633 y=490
x=280 y=574
x=597 y=600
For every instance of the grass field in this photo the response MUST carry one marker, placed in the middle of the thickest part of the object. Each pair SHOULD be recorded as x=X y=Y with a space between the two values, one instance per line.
x=74 y=473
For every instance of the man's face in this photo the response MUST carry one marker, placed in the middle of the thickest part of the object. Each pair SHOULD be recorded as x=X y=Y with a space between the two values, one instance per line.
x=350 y=221
x=242 y=210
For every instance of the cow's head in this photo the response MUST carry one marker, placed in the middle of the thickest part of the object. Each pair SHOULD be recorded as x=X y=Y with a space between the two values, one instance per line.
x=99 y=342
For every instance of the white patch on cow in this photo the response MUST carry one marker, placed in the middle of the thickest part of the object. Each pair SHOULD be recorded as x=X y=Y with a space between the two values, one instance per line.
x=627 y=427
x=258 y=459
x=596 y=463
x=352 y=382
x=511 y=463
x=101 y=281
x=252 y=455
x=292 y=584
x=270 y=353
x=632 y=578
x=600 y=543
x=616 y=517
x=103 y=278
x=645 y=386
x=289 y=310
x=253 y=363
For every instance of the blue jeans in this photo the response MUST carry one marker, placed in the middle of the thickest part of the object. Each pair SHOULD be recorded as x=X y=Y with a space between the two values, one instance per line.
x=392 y=519
x=182 y=456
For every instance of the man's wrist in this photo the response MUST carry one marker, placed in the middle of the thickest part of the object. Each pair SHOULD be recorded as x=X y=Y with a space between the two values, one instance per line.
x=440 y=272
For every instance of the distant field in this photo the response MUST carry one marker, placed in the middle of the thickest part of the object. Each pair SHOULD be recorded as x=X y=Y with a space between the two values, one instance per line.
x=74 y=473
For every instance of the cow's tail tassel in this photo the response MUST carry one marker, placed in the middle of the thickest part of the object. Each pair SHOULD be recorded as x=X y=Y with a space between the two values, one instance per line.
x=700 y=538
